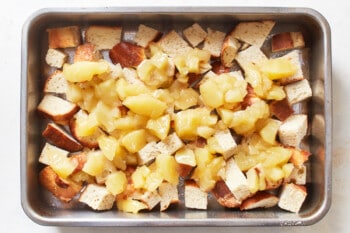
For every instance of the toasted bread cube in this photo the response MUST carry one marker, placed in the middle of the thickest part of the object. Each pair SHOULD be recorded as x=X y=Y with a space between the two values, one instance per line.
x=286 y=41
x=229 y=50
x=195 y=34
x=292 y=197
x=249 y=56
x=59 y=137
x=57 y=109
x=103 y=37
x=293 y=130
x=55 y=58
x=226 y=143
x=224 y=196
x=149 y=152
x=145 y=35
x=97 y=197
x=150 y=199
x=87 y=52
x=281 y=109
x=173 y=44
x=298 y=91
x=260 y=200
x=171 y=143
x=253 y=33
x=195 y=198
x=236 y=181
x=56 y=83
x=127 y=54
x=63 y=189
x=168 y=195
x=213 y=42
x=64 y=37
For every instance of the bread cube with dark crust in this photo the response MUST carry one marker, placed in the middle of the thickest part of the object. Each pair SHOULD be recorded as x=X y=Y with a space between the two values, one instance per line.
x=64 y=37
x=127 y=54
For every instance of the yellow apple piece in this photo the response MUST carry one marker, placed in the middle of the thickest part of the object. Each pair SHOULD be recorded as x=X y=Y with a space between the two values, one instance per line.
x=130 y=206
x=167 y=167
x=269 y=131
x=84 y=70
x=160 y=126
x=95 y=163
x=278 y=68
x=116 y=182
x=146 y=105
x=134 y=141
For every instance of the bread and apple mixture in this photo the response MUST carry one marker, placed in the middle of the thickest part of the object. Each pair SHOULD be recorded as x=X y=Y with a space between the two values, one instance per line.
x=131 y=124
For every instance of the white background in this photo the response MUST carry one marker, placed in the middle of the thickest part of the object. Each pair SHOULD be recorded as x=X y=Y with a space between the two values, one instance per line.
x=13 y=15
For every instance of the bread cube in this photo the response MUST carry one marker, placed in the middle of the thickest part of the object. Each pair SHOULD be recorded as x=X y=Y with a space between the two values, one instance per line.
x=292 y=197
x=55 y=58
x=103 y=37
x=298 y=91
x=213 y=42
x=64 y=37
x=146 y=35
x=97 y=197
x=195 y=34
x=293 y=130
x=195 y=198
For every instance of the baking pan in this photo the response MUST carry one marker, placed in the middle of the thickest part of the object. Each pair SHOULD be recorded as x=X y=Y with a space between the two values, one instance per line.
x=43 y=209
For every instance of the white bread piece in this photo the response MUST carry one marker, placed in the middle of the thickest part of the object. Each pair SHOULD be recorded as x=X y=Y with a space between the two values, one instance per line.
x=64 y=37
x=260 y=200
x=250 y=56
x=50 y=152
x=286 y=41
x=56 y=83
x=229 y=50
x=173 y=44
x=224 y=196
x=298 y=91
x=294 y=57
x=214 y=41
x=145 y=35
x=150 y=199
x=253 y=33
x=168 y=146
x=87 y=52
x=97 y=197
x=293 y=130
x=194 y=34
x=171 y=143
x=168 y=195
x=195 y=198
x=298 y=176
x=236 y=181
x=55 y=58
x=226 y=142
x=59 y=137
x=103 y=37
x=292 y=197
x=149 y=152
x=57 y=109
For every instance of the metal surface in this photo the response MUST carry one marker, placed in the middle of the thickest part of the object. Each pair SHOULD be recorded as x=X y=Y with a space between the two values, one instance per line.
x=42 y=208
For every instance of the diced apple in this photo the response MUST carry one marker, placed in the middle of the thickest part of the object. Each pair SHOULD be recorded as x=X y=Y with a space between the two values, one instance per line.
x=134 y=141
x=145 y=105
x=116 y=182
x=84 y=70
x=160 y=126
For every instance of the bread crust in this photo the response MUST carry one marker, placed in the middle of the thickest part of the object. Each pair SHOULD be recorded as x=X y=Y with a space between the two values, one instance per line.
x=127 y=54
x=64 y=37
x=64 y=190
x=57 y=136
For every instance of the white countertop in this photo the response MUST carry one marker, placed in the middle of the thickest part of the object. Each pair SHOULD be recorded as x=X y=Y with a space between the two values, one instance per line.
x=12 y=17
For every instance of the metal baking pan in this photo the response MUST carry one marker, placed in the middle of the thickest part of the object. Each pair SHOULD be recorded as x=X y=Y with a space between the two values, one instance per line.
x=43 y=209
